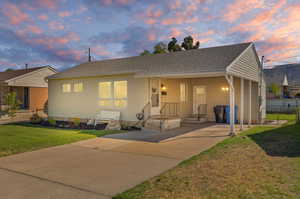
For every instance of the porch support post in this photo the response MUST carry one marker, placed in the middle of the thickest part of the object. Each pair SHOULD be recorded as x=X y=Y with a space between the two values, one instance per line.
x=232 y=104
x=242 y=105
x=250 y=103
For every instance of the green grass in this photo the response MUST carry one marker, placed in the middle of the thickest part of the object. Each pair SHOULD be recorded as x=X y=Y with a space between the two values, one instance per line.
x=21 y=138
x=289 y=117
x=260 y=163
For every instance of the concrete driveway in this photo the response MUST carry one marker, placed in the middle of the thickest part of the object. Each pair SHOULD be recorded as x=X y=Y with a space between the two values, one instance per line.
x=98 y=168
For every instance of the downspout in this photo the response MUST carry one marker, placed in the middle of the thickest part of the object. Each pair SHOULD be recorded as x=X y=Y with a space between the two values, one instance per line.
x=232 y=104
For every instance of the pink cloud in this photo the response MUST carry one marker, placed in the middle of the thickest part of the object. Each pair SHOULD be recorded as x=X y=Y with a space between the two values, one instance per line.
x=55 y=25
x=175 y=32
x=34 y=29
x=175 y=4
x=48 y=3
x=151 y=36
x=14 y=14
x=43 y=17
x=238 y=8
x=64 y=14
x=78 y=55
x=119 y=2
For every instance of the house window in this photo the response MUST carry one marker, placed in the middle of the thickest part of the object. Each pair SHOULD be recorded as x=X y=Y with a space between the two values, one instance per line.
x=105 y=94
x=120 y=94
x=66 y=88
x=113 y=94
x=183 y=96
x=78 y=87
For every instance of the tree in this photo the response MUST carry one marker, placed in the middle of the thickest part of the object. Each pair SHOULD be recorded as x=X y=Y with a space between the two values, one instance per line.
x=9 y=69
x=188 y=43
x=160 y=48
x=173 y=46
x=13 y=103
x=275 y=89
x=145 y=52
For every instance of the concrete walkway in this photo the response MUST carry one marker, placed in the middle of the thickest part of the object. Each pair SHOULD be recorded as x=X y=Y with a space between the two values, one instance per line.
x=98 y=168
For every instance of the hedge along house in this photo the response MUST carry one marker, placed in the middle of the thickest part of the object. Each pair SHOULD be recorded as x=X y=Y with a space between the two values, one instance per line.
x=29 y=84
x=174 y=85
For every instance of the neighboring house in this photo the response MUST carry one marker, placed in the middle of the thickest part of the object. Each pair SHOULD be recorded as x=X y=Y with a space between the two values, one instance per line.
x=174 y=84
x=29 y=84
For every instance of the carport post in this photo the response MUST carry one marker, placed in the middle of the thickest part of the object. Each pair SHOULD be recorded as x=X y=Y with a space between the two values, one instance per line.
x=232 y=104
x=250 y=102
x=242 y=105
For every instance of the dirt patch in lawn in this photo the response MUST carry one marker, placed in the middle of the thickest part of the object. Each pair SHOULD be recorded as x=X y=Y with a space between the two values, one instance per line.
x=240 y=168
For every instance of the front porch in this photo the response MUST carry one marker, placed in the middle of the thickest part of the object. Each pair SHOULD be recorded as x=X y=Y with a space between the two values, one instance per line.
x=22 y=94
x=182 y=100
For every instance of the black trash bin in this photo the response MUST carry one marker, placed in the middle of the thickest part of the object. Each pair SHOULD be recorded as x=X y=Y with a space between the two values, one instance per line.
x=220 y=113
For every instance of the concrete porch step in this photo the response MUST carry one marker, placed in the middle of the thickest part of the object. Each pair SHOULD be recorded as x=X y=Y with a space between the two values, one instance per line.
x=162 y=123
x=194 y=120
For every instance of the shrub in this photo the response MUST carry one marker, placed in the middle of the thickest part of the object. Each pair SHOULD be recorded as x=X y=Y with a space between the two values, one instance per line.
x=46 y=108
x=52 y=121
x=35 y=119
x=13 y=103
x=76 y=122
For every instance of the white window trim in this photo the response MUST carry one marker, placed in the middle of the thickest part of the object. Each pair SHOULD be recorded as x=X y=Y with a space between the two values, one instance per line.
x=112 y=95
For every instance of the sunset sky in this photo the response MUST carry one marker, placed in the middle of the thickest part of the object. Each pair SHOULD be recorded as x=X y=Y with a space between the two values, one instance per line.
x=59 y=32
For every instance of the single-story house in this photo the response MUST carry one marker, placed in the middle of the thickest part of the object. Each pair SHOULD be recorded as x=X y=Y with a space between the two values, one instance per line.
x=181 y=84
x=30 y=85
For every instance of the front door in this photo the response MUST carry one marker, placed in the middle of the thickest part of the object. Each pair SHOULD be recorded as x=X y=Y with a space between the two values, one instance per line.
x=155 y=96
x=199 y=97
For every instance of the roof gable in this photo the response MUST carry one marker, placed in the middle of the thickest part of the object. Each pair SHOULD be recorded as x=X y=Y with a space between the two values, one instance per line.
x=246 y=65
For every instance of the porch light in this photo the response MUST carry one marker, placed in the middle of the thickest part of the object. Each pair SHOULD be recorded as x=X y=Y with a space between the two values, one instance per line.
x=225 y=89
x=163 y=87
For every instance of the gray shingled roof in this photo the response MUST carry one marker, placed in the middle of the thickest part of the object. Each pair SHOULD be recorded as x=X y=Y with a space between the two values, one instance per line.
x=6 y=75
x=213 y=59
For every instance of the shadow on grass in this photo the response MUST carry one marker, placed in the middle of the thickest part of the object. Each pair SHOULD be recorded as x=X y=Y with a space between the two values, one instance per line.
x=283 y=141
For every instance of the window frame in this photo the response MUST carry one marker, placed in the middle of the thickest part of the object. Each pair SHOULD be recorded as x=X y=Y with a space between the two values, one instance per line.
x=70 y=88
x=112 y=98
x=183 y=99
x=80 y=90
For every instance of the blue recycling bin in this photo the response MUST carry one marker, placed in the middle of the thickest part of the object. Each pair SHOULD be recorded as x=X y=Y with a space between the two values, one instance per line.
x=227 y=110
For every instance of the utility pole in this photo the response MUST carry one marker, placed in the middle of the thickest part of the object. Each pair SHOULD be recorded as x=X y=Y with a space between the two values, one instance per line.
x=90 y=58
x=26 y=66
x=260 y=88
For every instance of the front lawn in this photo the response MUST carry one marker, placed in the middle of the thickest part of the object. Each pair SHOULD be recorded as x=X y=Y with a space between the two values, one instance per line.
x=261 y=163
x=279 y=116
x=20 y=138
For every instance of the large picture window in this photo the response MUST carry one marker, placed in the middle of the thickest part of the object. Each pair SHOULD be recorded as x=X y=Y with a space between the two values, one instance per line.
x=113 y=94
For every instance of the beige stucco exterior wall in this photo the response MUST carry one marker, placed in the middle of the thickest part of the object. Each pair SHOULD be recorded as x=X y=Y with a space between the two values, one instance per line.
x=85 y=104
